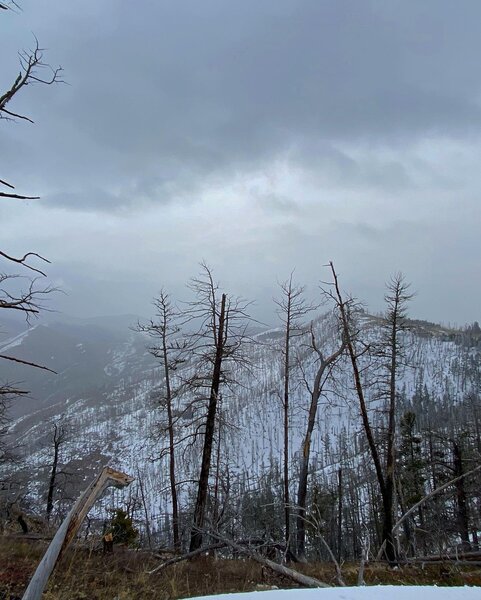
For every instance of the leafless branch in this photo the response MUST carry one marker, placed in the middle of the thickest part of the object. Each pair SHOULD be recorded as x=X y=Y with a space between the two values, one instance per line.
x=23 y=259
x=28 y=363
x=31 y=63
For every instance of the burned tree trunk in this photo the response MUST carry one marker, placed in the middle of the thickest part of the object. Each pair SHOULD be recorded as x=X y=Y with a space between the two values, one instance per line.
x=170 y=351
x=58 y=438
x=292 y=308
x=200 y=505
x=461 y=500
x=316 y=391
x=396 y=299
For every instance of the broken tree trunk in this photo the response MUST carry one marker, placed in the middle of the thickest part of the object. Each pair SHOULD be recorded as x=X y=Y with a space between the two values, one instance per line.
x=69 y=527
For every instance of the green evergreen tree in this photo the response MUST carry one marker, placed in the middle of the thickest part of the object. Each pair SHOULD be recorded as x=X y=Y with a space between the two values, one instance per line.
x=122 y=528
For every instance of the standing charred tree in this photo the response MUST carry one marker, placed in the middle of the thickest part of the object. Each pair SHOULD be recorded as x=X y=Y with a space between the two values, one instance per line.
x=59 y=438
x=391 y=353
x=461 y=496
x=291 y=308
x=217 y=343
x=394 y=322
x=5 y=397
x=169 y=348
x=324 y=369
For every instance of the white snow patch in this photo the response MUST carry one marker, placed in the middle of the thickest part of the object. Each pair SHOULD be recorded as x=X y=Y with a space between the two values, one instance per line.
x=16 y=341
x=382 y=592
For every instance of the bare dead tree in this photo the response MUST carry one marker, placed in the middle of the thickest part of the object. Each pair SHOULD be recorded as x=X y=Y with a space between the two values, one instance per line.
x=324 y=370
x=291 y=309
x=364 y=559
x=6 y=393
x=456 y=466
x=58 y=439
x=31 y=67
x=217 y=343
x=27 y=301
x=170 y=348
x=391 y=353
x=33 y=70
x=397 y=297
x=21 y=293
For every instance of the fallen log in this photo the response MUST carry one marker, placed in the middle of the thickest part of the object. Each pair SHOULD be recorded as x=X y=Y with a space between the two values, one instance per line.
x=244 y=547
x=187 y=556
x=448 y=557
x=299 y=578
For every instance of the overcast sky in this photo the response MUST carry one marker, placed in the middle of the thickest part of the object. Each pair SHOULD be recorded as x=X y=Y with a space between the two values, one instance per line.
x=259 y=136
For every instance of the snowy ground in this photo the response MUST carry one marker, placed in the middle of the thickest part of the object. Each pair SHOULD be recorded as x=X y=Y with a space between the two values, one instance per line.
x=385 y=592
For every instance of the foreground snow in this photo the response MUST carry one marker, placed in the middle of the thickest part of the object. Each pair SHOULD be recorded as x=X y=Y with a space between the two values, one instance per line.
x=384 y=592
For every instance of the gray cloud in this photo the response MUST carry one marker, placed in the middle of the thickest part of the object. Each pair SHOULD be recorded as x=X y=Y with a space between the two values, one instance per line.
x=188 y=93
x=292 y=131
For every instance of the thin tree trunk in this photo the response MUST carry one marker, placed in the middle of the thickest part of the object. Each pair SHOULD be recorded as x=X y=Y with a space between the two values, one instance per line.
x=339 y=516
x=173 y=484
x=385 y=478
x=286 y=422
x=461 y=501
x=51 y=484
x=388 y=493
x=358 y=385
x=144 y=504
x=200 y=506
x=306 y=446
x=217 y=477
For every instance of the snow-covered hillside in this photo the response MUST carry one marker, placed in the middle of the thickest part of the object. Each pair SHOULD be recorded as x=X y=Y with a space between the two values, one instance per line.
x=119 y=424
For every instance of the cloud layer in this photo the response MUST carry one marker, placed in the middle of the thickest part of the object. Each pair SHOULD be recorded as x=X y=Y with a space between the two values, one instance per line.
x=257 y=136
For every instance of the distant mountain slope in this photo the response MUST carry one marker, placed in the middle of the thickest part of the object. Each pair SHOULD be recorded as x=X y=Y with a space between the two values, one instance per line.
x=89 y=358
x=107 y=385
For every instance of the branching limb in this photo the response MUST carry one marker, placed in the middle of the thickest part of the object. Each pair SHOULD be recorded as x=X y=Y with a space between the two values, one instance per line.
x=23 y=261
x=31 y=67
x=31 y=63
